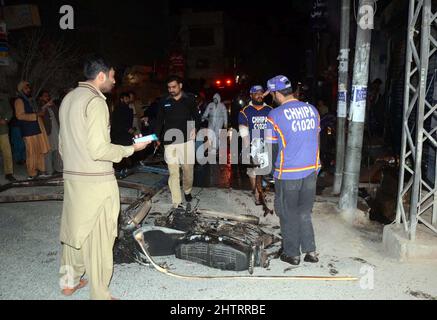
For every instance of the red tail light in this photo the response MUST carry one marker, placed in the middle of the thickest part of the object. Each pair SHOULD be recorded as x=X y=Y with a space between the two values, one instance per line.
x=218 y=82
x=229 y=82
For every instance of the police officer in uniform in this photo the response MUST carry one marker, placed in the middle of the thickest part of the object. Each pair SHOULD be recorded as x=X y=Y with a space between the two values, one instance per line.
x=176 y=125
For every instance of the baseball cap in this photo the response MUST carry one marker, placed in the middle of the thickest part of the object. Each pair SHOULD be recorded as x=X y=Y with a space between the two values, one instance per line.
x=256 y=89
x=278 y=83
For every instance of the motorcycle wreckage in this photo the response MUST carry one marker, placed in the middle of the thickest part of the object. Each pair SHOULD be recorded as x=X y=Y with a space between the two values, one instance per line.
x=218 y=240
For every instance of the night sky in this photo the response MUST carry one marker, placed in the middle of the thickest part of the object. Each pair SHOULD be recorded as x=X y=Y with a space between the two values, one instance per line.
x=268 y=37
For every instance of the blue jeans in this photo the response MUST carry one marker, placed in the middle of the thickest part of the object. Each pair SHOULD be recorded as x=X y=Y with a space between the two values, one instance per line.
x=294 y=200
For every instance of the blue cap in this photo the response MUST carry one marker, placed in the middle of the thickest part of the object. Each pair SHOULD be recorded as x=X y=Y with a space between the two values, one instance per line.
x=278 y=83
x=256 y=89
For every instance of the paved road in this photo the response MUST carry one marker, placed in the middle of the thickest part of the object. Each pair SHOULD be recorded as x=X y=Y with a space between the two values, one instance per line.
x=29 y=258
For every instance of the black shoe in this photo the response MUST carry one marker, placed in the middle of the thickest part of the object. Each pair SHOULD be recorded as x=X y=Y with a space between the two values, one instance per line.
x=294 y=260
x=278 y=253
x=188 y=197
x=10 y=177
x=311 y=257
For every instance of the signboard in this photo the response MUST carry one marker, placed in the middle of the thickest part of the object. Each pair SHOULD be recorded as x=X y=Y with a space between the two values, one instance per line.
x=358 y=104
x=4 y=48
x=21 y=16
x=177 y=64
x=319 y=14
x=342 y=104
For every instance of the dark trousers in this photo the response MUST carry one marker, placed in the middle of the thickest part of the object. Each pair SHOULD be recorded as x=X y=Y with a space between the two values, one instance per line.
x=294 y=201
x=18 y=146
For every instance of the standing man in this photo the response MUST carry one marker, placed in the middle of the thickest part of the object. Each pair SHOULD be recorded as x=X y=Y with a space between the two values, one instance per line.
x=175 y=120
x=53 y=161
x=136 y=123
x=5 y=146
x=122 y=131
x=252 y=123
x=34 y=136
x=91 y=196
x=17 y=142
x=294 y=128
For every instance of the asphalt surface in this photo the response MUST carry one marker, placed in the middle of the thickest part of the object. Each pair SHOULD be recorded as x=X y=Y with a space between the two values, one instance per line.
x=30 y=254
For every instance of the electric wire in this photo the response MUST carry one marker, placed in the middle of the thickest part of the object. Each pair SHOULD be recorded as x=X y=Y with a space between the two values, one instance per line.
x=139 y=238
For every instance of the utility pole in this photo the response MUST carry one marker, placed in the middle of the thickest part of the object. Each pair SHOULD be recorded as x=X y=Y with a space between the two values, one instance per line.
x=351 y=175
x=343 y=85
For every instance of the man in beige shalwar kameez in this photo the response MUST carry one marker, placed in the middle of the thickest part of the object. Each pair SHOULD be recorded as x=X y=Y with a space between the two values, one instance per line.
x=91 y=196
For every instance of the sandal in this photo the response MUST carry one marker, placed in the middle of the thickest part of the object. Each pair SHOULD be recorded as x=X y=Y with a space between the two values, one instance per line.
x=69 y=291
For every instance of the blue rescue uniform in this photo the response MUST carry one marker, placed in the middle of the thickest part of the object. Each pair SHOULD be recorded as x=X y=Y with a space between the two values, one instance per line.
x=295 y=127
x=255 y=118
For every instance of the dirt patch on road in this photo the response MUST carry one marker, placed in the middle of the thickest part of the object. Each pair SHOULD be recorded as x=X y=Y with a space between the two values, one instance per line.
x=421 y=295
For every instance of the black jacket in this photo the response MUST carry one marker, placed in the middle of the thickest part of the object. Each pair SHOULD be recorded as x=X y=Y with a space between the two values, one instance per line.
x=175 y=114
x=122 y=118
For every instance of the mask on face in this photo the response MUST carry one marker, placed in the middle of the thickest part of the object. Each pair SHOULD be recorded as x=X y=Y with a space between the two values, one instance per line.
x=215 y=101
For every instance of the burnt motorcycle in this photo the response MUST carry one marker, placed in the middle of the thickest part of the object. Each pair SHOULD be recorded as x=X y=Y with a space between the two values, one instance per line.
x=214 y=239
